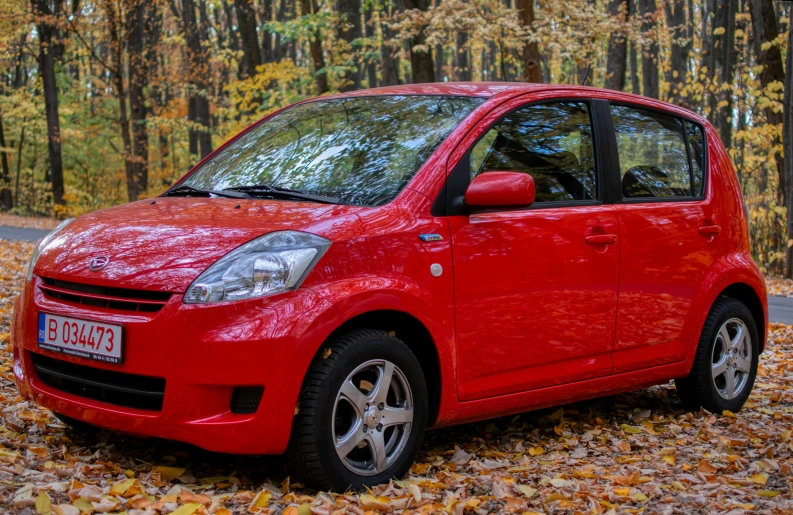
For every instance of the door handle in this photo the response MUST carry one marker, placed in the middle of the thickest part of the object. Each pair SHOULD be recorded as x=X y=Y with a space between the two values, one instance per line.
x=601 y=239
x=710 y=230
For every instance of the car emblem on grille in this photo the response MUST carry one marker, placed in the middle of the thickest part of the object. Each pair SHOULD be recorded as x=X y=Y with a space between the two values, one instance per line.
x=98 y=263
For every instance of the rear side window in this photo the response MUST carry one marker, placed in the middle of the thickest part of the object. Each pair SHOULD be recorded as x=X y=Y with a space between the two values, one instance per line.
x=696 y=143
x=654 y=161
x=551 y=142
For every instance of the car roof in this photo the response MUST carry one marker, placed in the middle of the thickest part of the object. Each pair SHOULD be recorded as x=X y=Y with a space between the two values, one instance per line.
x=511 y=89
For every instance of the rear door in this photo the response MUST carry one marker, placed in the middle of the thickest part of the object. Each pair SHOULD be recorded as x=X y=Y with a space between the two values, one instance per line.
x=669 y=234
x=536 y=288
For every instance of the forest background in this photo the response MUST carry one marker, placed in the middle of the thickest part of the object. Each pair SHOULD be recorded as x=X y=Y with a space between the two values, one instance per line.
x=107 y=101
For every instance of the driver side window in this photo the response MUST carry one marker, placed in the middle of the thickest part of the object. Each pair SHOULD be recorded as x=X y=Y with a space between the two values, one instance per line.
x=552 y=142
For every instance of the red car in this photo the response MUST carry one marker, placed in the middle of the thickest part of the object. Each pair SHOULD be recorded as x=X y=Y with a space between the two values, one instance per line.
x=355 y=269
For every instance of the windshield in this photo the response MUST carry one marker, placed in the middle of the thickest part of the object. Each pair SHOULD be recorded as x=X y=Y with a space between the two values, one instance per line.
x=361 y=150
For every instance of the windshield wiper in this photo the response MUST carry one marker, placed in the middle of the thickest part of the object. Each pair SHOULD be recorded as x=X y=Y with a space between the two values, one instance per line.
x=275 y=191
x=188 y=190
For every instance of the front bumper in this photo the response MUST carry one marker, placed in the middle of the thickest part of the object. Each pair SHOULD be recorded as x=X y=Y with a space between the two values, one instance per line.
x=202 y=352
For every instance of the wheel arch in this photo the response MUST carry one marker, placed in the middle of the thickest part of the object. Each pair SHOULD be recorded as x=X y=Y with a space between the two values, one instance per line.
x=416 y=336
x=746 y=294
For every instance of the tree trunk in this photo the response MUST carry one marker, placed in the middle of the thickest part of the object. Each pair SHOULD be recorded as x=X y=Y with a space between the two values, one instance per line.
x=650 y=53
x=420 y=60
x=618 y=47
x=462 y=66
x=138 y=80
x=6 y=200
x=389 y=61
x=246 y=20
x=320 y=74
x=234 y=43
x=117 y=47
x=633 y=58
x=19 y=161
x=724 y=67
x=770 y=58
x=279 y=49
x=197 y=73
x=532 y=72
x=681 y=44
x=50 y=49
x=266 y=16
x=348 y=31
x=371 y=35
x=787 y=145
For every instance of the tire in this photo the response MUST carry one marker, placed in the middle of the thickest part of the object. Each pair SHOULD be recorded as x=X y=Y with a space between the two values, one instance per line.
x=327 y=416
x=708 y=384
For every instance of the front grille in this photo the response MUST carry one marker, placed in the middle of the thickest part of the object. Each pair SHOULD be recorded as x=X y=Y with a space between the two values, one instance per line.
x=130 y=390
x=246 y=399
x=105 y=297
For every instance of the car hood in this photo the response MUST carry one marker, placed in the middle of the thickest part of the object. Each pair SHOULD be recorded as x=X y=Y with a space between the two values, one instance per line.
x=163 y=245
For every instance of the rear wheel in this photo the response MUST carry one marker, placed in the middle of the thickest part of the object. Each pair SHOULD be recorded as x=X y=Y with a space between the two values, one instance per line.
x=726 y=362
x=362 y=413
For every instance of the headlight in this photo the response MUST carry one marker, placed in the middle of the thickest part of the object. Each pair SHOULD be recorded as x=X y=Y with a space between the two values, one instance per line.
x=43 y=244
x=272 y=263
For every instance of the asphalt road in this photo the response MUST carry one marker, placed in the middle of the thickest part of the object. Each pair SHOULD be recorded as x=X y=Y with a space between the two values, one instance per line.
x=780 y=309
x=20 y=233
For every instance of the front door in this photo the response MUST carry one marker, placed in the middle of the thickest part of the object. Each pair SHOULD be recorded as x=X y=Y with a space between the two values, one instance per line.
x=536 y=289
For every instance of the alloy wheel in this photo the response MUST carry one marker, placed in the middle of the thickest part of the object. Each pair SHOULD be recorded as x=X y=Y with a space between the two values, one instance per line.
x=372 y=416
x=731 y=361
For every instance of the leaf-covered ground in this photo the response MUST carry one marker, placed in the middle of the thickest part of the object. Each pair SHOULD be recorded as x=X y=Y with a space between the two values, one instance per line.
x=779 y=286
x=633 y=453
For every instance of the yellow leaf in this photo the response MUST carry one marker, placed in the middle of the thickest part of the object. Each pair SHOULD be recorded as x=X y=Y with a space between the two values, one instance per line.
x=622 y=492
x=372 y=502
x=760 y=479
x=767 y=493
x=226 y=511
x=43 y=505
x=639 y=497
x=83 y=504
x=304 y=509
x=536 y=451
x=122 y=487
x=527 y=490
x=262 y=500
x=630 y=429
x=555 y=497
x=169 y=473
x=186 y=509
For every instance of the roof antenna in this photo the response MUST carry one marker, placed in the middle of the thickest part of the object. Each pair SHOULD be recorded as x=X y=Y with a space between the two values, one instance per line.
x=586 y=74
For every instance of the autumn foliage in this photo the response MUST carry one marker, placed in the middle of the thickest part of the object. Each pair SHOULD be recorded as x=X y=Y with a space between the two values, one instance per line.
x=106 y=101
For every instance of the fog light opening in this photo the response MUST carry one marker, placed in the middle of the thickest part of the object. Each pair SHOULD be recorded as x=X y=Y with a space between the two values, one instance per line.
x=246 y=399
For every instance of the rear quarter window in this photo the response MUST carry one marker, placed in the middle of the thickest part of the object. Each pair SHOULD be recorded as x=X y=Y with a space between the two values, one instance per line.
x=696 y=143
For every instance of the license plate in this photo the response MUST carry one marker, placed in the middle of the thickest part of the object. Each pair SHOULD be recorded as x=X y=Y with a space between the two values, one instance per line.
x=84 y=338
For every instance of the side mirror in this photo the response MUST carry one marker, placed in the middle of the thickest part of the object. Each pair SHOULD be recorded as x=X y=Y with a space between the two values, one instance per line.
x=500 y=189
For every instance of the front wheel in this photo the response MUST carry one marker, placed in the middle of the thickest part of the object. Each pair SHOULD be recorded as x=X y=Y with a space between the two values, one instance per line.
x=725 y=365
x=362 y=413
